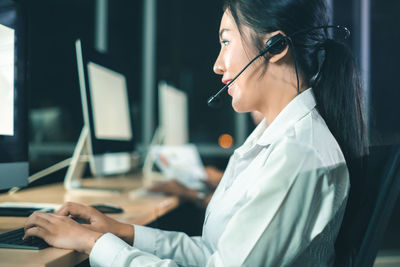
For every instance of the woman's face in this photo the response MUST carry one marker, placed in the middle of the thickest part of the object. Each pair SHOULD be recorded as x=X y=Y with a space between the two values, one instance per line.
x=234 y=56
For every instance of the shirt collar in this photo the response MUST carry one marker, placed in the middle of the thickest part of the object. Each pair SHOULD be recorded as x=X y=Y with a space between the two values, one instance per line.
x=265 y=134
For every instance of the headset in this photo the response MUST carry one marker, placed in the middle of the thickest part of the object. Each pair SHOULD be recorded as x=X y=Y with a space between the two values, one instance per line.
x=275 y=45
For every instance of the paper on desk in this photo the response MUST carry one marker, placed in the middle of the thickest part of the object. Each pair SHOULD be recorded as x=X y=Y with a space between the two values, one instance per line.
x=182 y=163
x=30 y=205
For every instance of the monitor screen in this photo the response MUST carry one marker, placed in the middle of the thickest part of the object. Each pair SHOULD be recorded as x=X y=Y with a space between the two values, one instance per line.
x=173 y=115
x=106 y=111
x=110 y=105
x=13 y=108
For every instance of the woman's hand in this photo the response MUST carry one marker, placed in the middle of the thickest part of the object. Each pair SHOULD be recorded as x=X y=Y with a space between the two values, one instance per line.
x=175 y=188
x=60 y=231
x=214 y=176
x=97 y=221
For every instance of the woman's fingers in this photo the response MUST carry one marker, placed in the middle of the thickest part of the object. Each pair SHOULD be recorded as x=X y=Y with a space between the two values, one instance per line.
x=60 y=231
x=39 y=224
x=37 y=219
x=96 y=221
x=35 y=231
x=70 y=208
x=75 y=210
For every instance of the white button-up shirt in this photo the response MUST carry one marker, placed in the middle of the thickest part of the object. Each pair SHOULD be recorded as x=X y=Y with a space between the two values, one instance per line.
x=280 y=203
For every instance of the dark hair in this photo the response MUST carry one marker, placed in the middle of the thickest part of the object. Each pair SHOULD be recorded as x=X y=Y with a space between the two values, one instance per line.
x=325 y=64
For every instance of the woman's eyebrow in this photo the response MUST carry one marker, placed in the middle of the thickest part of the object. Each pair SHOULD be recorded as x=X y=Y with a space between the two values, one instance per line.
x=222 y=32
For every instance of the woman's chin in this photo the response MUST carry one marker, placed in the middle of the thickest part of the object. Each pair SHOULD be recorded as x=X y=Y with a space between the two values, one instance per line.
x=239 y=108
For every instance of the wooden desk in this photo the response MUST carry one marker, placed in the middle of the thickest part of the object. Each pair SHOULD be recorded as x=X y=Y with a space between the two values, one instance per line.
x=139 y=210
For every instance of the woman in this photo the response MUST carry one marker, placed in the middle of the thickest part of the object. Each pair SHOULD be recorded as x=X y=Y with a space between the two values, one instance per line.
x=282 y=197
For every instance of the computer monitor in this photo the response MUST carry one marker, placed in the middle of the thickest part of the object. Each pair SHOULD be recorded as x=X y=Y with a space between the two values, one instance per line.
x=14 y=167
x=106 y=138
x=172 y=129
x=173 y=115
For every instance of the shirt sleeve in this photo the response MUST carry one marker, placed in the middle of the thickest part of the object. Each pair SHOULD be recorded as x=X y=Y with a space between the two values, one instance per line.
x=110 y=251
x=183 y=249
x=150 y=246
x=292 y=202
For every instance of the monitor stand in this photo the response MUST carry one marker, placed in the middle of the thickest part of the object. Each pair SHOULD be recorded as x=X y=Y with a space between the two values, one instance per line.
x=150 y=176
x=81 y=156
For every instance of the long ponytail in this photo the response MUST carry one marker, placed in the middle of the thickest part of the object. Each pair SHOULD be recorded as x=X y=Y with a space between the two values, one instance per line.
x=338 y=94
x=337 y=90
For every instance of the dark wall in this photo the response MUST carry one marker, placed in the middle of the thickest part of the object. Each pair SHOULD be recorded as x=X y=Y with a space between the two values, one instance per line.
x=385 y=56
x=384 y=96
x=53 y=28
x=188 y=46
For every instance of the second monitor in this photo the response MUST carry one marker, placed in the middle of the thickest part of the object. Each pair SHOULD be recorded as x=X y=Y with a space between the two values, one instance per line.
x=106 y=137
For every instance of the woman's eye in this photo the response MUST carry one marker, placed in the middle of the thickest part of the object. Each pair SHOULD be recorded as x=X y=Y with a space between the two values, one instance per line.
x=224 y=42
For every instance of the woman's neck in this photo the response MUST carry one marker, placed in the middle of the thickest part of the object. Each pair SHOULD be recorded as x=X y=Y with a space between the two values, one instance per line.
x=276 y=101
x=282 y=89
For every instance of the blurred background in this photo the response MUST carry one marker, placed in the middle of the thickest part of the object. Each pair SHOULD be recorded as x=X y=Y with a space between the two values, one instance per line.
x=184 y=45
x=177 y=41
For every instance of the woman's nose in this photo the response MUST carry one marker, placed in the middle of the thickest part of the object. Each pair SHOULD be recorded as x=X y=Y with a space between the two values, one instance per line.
x=218 y=67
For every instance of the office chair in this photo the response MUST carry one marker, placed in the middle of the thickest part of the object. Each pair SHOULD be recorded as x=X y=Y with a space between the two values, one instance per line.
x=373 y=194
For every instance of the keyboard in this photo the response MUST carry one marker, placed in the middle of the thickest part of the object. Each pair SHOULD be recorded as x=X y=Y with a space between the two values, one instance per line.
x=20 y=211
x=13 y=239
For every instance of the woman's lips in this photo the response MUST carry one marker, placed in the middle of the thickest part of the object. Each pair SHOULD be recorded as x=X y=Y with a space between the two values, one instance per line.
x=230 y=89
x=225 y=81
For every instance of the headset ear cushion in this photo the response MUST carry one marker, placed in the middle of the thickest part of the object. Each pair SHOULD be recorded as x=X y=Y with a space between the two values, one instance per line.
x=276 y=43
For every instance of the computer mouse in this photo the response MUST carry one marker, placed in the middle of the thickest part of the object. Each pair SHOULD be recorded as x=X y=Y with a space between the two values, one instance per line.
x=106 y=208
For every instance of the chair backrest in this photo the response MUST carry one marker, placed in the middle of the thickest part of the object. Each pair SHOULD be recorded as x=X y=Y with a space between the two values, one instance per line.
x=375 y=188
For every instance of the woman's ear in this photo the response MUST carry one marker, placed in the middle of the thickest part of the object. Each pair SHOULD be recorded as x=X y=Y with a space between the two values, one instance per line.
x=275 y=57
